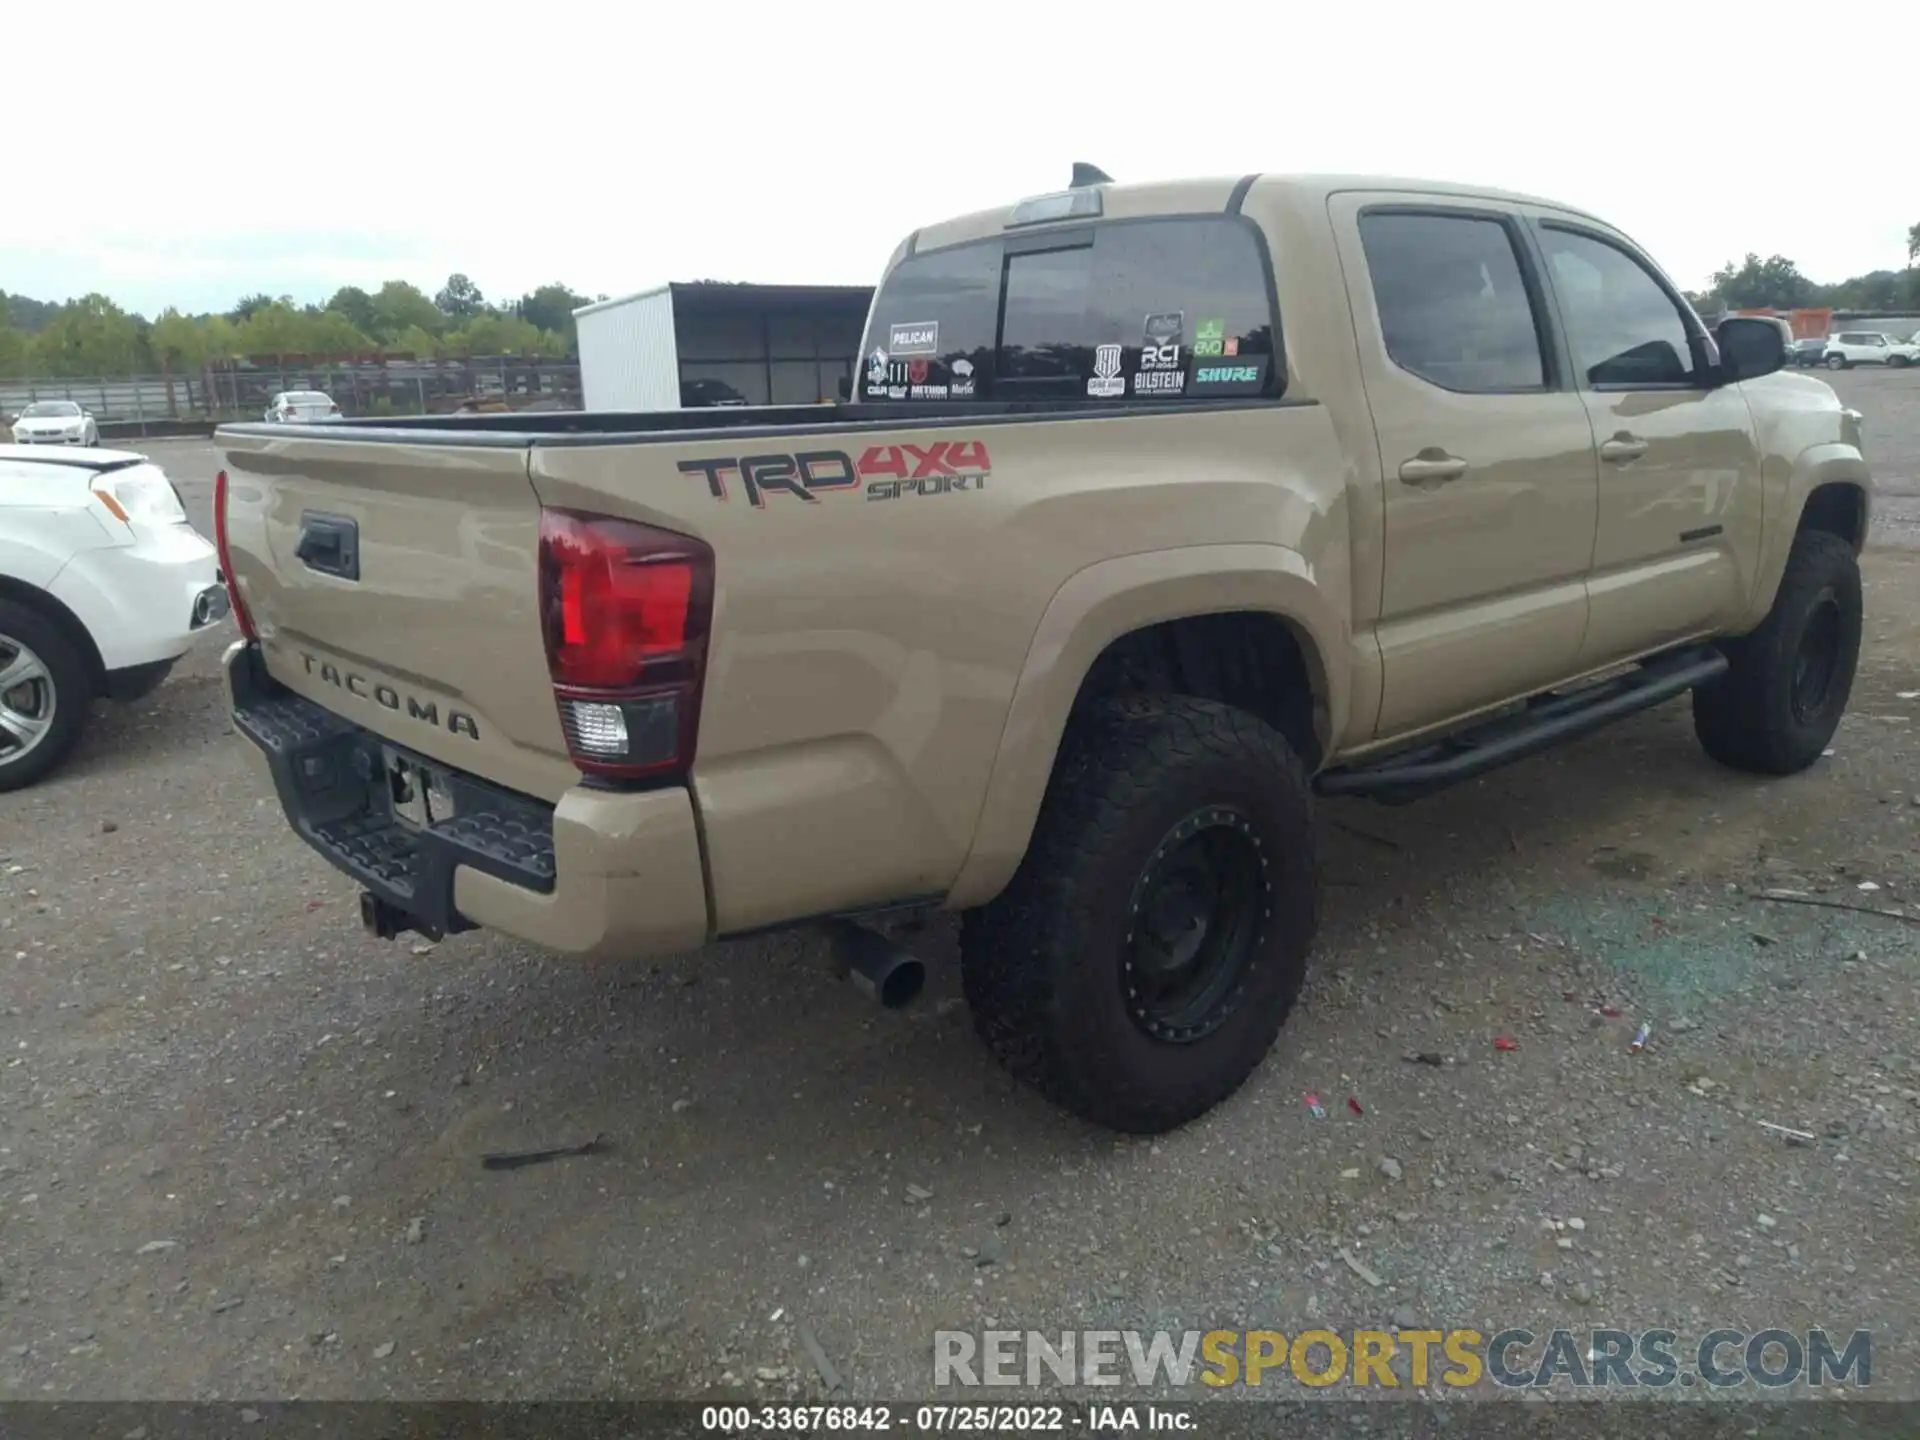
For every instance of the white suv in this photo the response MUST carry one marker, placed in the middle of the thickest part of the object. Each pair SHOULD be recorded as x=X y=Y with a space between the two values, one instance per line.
x=102 y=586
x=1869 y=347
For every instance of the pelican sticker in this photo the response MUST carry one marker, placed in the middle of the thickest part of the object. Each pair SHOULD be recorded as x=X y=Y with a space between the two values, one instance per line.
x=922 y=337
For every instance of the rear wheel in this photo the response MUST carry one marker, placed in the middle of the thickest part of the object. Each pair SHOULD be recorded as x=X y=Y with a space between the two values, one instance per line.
x=1898 y=362
x=1836 y=362
x=1142 y=960
x=43 y=696
x=1787 y=684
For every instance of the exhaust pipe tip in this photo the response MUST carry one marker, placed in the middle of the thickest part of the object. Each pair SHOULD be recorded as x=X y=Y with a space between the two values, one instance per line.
x=880 y=969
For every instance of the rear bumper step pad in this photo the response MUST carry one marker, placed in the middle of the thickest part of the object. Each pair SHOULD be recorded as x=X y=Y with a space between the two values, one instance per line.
x=331 y=777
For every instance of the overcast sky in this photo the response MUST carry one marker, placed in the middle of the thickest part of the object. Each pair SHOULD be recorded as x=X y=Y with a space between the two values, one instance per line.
x=187 y=155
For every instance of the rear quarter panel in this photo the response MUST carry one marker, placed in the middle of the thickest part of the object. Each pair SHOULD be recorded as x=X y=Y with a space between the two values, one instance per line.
x=867 y=646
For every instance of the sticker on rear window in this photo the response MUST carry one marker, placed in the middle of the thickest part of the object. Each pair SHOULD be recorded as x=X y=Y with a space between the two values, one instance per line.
x=1209 y=336
x=960 y=379
x=1107 y=380
x=1168 y=327
x=1160 y=382
x=1244 y=376
x=922 y=337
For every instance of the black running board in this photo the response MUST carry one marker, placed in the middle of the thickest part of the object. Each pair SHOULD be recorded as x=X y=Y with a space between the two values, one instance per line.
x=1546 y=721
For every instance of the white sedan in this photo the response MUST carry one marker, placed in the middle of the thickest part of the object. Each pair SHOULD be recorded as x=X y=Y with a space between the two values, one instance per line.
x=102 y=586
x=55 y=422
x=301 y=407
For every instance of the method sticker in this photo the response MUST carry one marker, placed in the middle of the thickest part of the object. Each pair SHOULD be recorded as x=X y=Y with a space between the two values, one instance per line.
x=1107 y=381
x=1209 y=337
x=919 y=338
x=1244 y=376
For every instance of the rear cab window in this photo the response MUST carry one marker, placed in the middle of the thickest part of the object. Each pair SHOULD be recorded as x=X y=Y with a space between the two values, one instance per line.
x=1122 y=311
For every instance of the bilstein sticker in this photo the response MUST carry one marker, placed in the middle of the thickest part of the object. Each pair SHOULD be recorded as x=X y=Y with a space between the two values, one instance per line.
x=922 y=337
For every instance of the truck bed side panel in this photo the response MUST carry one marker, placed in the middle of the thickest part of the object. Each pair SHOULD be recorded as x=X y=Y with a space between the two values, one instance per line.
x=868 y=634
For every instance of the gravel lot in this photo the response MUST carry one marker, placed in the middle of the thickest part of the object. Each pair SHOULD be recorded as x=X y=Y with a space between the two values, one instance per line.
x=239 y=1141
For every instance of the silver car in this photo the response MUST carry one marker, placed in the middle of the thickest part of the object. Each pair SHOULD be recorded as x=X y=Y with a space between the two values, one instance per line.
x=55 y=422
x=302 y=407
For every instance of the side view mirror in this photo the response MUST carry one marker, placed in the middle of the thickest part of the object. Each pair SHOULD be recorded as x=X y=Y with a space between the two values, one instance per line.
x=1750 y=347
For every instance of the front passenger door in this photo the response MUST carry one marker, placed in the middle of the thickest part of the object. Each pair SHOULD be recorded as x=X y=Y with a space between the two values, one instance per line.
x=1679 y=515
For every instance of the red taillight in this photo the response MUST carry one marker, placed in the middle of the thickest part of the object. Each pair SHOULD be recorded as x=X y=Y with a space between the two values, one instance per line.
x=239 y=606
x=624 y=610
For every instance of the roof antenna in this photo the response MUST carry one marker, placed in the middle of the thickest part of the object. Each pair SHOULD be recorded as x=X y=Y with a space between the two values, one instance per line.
x=1085 y=175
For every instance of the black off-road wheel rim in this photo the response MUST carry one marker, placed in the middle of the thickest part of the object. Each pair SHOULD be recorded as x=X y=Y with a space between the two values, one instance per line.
x=1816 y=663
x=1194 y=926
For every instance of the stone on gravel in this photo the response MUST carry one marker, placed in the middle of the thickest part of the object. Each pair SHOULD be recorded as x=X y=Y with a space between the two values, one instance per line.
x=1361 y=1270
x=249 y=1416
x=154 y=1247
x=1574 y=1222
x=1765 y=1222
x=1404 y=1318
x=1583 y=1294
x=381 y=1352
x=416 y=1230
x=1390 y=1168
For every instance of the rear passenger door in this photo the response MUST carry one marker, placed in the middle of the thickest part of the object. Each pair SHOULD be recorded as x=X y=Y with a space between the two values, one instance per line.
x=1679 y=514
x=1487 y=454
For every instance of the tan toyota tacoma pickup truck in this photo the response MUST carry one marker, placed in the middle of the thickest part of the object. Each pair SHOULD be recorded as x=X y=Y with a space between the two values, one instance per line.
x=1156 y=509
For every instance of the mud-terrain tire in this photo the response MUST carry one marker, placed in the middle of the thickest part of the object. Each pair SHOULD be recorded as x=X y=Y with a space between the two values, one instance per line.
x=1176 y=840
x=44 y=694
x=1787 y=684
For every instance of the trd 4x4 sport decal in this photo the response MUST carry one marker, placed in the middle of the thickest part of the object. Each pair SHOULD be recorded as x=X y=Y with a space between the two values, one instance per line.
x=889 y=472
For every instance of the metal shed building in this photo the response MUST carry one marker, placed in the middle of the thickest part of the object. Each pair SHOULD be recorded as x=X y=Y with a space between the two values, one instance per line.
x=707 y=342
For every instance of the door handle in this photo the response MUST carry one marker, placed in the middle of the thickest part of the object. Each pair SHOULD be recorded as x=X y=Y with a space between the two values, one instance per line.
x=1622 y=448
x=1432 y=467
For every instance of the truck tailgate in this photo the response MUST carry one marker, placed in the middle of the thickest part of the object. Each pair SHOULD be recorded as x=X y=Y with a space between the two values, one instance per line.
x=411 y=606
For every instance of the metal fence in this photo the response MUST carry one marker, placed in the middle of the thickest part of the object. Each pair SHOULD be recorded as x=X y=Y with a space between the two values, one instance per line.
x=244 y=391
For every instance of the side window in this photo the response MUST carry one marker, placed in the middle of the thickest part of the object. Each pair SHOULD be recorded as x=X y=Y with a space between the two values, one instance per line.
x=1624 y=327
x=1453 y=305
x=1137 y=311
x=1146 y=310
x=932 y=328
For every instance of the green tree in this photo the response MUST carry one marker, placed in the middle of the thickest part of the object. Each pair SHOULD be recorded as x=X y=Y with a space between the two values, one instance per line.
x=180 y=341
x=416 y=341
x=243 y=310
x=460 y=298
x=89 y=336
x=398 y=305
x=331 y=333
x=1913 y=245
x=1773 y=283
x=499 y=335
x=15 y=348
x=279 y=329
x=551 y=308
x=358 y=306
